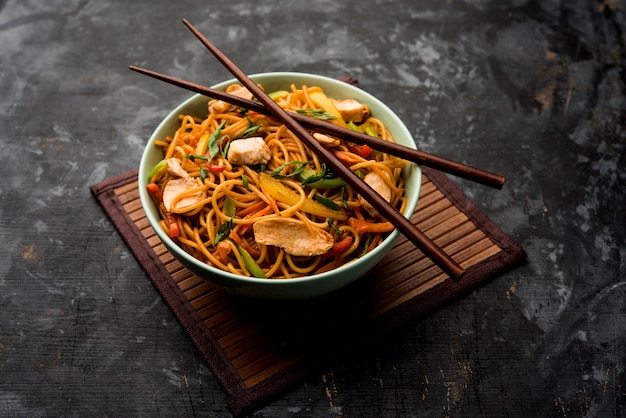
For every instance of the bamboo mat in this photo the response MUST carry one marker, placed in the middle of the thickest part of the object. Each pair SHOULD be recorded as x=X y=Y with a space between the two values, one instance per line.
x=260 y=350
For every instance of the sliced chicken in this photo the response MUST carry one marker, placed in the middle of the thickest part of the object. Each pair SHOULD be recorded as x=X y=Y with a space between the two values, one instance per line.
x=179 y=185
x=379 y=185
x=250 y=151
x=293 y=236
x=351 y=110
x=175 y=168
x=220 y=106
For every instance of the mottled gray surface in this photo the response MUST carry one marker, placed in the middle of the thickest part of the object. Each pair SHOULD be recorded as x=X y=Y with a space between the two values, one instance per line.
x=530 y=89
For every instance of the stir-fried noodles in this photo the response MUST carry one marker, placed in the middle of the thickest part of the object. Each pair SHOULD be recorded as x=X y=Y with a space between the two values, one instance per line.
x=242 y=193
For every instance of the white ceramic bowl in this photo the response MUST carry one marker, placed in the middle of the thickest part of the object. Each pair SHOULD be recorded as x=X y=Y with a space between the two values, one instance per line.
x=280 y=289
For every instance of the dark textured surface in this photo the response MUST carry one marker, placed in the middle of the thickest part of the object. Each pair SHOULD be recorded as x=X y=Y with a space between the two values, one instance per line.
x=530 y=89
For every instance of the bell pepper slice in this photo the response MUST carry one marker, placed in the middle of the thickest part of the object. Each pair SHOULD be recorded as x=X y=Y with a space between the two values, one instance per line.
x=340 y=246
x=280 y=192
x=321 y=100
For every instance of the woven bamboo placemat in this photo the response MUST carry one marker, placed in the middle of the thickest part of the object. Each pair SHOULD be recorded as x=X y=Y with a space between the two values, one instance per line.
x=260 y=350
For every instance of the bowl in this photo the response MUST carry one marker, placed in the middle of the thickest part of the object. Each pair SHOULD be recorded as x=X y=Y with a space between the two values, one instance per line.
x=280 y=289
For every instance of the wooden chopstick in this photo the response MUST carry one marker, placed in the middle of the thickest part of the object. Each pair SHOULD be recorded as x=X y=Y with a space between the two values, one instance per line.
x=455 y=168
x=404 y=225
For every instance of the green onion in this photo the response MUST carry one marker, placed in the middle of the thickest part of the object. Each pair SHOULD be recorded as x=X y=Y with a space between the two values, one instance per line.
x=229 y=207
x=299 y=166
x=213 y=148
x=327 y=202
x=157 y=168
x=250 y=264
x=275 y=95
x=317 y=113
x=223 y=231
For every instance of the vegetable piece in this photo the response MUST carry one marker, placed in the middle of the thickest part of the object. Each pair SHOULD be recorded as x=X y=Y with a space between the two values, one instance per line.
x=250 y=264
x=283 y=194
x=157 y=168
x=278 y=94
x=321 y=100
x=345 y=157
x=326 y=202
x=333 y=226
x=370 y=131
x=229 y=207
x=310 y=178
x=223 y=232
x=252 y=129
x=320 y=114
x=327 y=183
x=214 y=149
x=340 y=246
x=216 y=168
x=364 y=227
x=225 y=228
x=172 y=220
x=362 y=150
x=299 y=166
x=203 y=144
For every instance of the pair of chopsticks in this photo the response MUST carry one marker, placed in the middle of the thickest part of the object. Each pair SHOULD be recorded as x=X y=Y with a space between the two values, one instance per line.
x=296 y=123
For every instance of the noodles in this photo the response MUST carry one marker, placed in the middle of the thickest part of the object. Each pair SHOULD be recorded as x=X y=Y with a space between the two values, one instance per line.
x=242 y=193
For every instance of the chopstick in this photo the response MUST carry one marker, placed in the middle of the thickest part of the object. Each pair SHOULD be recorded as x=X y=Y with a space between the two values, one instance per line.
x=455 y=168
x=404 y=225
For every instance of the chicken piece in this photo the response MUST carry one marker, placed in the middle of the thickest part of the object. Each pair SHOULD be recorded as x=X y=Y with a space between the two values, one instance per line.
x=293 y=236
x=378 y=184
x=179 y=185
x=351 y=110
x=175 y=168
x=326 y=140
x=250 y=151
x=220 y=106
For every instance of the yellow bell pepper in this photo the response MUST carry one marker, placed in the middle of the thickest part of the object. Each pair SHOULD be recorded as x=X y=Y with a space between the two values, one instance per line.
x=280 y=192
x=323 y=102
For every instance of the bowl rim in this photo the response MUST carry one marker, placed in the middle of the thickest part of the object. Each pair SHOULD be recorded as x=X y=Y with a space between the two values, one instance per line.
x=245 y=280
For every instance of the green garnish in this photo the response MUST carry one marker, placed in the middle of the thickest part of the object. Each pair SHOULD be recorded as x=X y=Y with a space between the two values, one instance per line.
x=157 y=168
x=250 y=264
x=298 y=167
x=252 y=129
x=333 y=226
x=214 y=149
x=244 y=180
x=344 y=202
x=327 y=202
x=223 y=231
x=316 y=113
x=197 y=156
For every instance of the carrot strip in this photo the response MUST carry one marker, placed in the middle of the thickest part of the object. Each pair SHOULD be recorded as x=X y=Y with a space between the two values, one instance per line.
x=363 y=227
x=251 y=209
x=345 y=157
x=245 y=227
